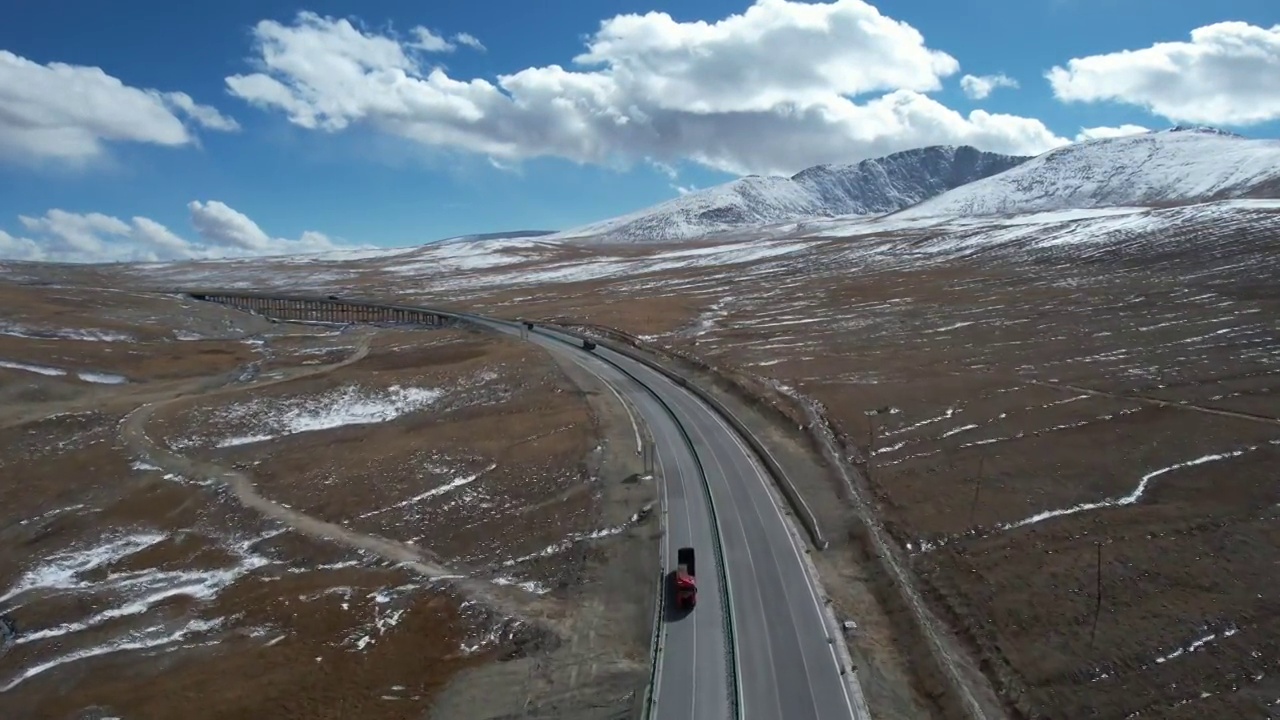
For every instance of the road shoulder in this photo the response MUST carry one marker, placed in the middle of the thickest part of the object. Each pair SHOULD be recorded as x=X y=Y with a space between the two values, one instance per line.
x=602 y=663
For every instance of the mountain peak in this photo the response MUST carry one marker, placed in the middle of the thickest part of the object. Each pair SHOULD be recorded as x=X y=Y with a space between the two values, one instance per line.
x=872 y=186
x=1202 y=129
x=1181 y=165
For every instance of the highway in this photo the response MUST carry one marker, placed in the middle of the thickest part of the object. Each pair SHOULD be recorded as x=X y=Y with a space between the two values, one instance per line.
x=759 y=645
x=693 y=680
x=786 y=665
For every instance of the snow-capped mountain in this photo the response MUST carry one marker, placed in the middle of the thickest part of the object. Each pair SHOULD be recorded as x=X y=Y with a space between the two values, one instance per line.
x=1175 y=166
x=879 y=185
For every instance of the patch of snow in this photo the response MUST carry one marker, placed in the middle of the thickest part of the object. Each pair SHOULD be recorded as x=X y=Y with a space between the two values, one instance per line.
x=954 y=326
x=39 y=369
x=532 y=586
x=951 y=411
x=51 y=513
x=351 y=405
x=463 y=256
x=565 y=544
x=619 y=267
x=102 y=378
x=1050 y=217
x=139 y=640
x=92 y=377
x=454 y=484
x=958 y=430
x=1196 y=644
x=89 y=334
x=1133 y=496
x=134 y=592
x=61 y=571
x=1162 y=166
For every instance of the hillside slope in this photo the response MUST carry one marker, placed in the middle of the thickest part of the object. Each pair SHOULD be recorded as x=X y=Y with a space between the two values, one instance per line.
x=873 y=186
x=1176 y=166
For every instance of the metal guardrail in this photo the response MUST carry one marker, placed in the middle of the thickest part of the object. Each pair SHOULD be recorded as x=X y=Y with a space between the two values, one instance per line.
x=717 y=546
x=797 y=503
x=655 y=651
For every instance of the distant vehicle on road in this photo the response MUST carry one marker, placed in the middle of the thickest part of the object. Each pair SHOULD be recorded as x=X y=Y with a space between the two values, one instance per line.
x=588 y=345
x=685 y=579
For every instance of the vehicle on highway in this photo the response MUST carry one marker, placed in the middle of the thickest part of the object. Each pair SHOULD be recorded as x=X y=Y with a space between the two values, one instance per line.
x=588 y=344
x=685 y=579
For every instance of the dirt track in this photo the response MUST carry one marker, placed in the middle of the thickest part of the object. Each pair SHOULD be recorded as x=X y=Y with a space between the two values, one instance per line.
x=101 y=461
x=133 y=431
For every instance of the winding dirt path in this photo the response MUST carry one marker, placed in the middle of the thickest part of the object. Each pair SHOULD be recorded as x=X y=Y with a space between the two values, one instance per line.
x=133 y=432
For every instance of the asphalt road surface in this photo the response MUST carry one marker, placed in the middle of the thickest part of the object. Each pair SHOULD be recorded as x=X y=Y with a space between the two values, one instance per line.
x=786 y=662
x=693 y=681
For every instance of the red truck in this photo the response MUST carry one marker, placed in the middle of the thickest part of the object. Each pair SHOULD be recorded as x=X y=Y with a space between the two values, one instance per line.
x=685 y=579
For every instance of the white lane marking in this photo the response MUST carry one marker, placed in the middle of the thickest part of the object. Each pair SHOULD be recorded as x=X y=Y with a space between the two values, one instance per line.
x=750 y=454
x=635 y=427
x=667 y=548
x=667 y=539
x=727 y=590
x=662 y=584
x=688 y=519
x=750 y=561
x=813 y=594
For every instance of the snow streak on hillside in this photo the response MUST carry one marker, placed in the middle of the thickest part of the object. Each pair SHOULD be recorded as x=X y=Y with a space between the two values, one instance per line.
x=1191 y=231
x=324 y=273
x=1175 y=166
x=872 y=186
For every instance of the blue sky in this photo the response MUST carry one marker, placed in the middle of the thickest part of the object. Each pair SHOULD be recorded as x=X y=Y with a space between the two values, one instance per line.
x=668 y=105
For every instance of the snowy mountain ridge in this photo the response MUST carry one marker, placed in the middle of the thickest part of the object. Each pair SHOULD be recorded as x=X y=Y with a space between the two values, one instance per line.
x=874 y=186
x=507 y=235
x=1176 y=166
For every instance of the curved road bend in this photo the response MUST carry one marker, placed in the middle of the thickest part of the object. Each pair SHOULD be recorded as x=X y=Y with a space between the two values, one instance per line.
x=693 y=681
x=788 y=668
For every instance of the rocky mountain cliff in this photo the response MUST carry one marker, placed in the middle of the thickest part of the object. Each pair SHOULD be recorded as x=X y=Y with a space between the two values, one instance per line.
x=875 y=186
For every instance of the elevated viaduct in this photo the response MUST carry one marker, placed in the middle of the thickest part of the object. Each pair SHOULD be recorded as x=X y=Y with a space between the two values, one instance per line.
x=328 y=309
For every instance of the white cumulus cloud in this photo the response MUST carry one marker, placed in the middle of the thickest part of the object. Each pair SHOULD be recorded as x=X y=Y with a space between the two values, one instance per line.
x=220 y=225
x=777 y=88
x=67 y=112
x=979 y=87
x=63 y=236
x=469 y=40
x=427 y=40
x=1098 y=133
x=1228 y=74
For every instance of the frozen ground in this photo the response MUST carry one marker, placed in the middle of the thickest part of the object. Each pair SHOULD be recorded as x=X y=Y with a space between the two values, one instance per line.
x=1020 y=389
x=268 y=419
x=120 y=564
x=1051 y=381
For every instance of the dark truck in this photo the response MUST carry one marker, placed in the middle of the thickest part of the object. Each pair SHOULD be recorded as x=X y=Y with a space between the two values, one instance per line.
x=684 y=580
